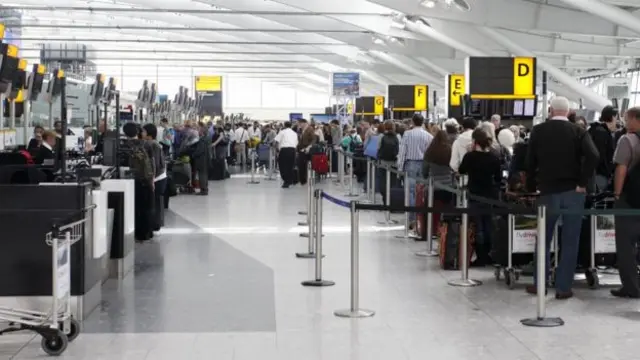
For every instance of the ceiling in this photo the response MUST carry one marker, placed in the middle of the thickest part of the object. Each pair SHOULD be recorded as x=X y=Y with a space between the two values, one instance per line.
x=306 y=40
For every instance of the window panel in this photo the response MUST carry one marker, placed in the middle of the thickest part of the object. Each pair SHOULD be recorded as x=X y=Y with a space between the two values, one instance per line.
x=241 y=92
x=276 y=96
x=311 y=100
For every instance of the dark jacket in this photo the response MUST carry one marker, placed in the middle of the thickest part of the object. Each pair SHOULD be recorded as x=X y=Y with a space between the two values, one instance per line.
x=159 y=163
x=604 y=141
x=560 y=157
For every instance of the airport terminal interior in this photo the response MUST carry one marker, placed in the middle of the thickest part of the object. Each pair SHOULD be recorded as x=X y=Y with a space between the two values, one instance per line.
x=263 y=179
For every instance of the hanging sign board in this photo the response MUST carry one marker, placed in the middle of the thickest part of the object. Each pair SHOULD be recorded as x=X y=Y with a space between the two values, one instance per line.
x=502 y=78
x=456 y=89
x=408 y=97
x=370 y=105
x=206 y=83
x=345 y=84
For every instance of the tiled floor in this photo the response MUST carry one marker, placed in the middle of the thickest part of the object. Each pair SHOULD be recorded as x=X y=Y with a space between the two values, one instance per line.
x=222 y=283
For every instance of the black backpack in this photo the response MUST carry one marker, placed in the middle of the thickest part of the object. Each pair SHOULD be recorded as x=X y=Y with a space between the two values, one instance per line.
x=140 y=164
x=631 y=189
x=389 y=148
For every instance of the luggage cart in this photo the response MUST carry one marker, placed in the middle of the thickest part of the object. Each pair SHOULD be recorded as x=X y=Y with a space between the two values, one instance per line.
x=56 y=326
x=603 y=235
x=524 y=243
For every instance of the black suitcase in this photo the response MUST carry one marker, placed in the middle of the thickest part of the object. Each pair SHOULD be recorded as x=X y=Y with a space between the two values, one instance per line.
x=217 y=170
x=500 y=245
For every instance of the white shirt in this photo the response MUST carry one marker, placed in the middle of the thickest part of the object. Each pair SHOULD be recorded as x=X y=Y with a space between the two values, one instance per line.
x=459 y=149
x=253 y=133
x=320 y=135
x=241 y=135
x=287 y=138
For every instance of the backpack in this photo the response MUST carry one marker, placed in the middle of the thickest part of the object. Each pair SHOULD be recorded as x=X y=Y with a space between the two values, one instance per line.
x=140 y=164
x=355 y=145
x=389 y=148
x=631 y=188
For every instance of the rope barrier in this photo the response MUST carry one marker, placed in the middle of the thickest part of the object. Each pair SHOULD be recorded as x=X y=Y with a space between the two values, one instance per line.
x=336 y=201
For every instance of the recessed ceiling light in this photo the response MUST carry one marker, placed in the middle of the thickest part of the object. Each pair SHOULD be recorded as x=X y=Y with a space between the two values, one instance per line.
x=378 y=41
x=428 y=4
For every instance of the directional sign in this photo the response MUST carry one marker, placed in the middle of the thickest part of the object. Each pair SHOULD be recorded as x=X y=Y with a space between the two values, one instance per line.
x=408 y=97
x=207 y=83
x=456 y=89
x=378 y=105
x=500 y=78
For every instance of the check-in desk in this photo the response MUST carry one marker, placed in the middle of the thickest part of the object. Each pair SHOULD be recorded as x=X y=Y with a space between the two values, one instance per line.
x=121 y=199
x=27 y=213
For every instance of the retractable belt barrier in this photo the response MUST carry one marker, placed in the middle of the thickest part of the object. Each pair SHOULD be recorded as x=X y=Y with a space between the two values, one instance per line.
x=462 y=195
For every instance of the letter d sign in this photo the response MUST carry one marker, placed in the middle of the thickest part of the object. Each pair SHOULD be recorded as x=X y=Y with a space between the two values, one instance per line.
x=524 y=76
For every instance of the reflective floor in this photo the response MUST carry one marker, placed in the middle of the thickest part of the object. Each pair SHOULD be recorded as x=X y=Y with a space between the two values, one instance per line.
x=221 y=282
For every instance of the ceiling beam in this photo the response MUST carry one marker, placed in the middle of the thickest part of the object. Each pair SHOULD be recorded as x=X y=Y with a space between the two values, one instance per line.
x=176 y=28
x=213 y=10
x=171 y=41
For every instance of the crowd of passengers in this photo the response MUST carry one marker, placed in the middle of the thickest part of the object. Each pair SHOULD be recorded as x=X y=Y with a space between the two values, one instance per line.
x=561 y=160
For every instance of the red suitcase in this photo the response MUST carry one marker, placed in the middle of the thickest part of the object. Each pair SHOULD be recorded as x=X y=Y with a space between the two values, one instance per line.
x=320 y=163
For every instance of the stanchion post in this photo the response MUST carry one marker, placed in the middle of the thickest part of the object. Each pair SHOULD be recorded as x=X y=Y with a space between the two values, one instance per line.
x=387 y=197
x=352 y=192
x=310 y=254
x=429 y=252
x=370 y=176
x=317 y=208
x=407 y=203
x=310 y=183
x=374 y=171
x=252 y=152
x=354 y=311
x=330 y=156
x=272 y=163
x=463 y=242
x=541 y=319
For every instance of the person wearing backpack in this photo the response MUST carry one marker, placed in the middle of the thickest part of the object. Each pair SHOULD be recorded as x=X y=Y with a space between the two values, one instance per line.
x=626 y=188
x=142 y=169
x=388 y=149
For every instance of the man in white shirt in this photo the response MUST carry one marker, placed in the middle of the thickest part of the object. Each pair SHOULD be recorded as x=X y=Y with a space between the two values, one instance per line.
x=241 y=139
x=463 y=143
x=254 y=131
x=287 y=142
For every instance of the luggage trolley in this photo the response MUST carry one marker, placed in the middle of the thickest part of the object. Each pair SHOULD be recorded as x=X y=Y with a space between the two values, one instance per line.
x=56 y=326
x=521 y=240
x=602 y=237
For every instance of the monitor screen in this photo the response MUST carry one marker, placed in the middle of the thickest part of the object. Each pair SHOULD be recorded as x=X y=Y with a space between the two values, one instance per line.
x=530 y=107
x=518 y=107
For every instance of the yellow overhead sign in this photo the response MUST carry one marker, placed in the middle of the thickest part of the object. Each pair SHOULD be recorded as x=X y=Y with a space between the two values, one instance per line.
x=420 y=97
x=378 y=105
x=1 y=31
x=206 y=83
x=41 y=69
x=22 y=65
x=12 y=51
x=456 y=89
x=524 y=78
x=349 y=107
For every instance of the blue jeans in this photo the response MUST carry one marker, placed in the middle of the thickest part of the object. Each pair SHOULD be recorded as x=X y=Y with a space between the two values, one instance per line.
x=569 y=237
x=413 y=168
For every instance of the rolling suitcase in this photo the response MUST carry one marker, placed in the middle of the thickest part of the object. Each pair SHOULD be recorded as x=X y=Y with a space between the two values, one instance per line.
x=320 y=163
x=449 y=249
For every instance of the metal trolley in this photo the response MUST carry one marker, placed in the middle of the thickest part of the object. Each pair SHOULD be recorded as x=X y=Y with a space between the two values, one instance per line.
x=56 y=326
x=602 y=237
x=511 y=271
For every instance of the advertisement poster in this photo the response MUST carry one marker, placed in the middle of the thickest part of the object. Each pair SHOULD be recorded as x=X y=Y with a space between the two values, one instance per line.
x=525 y=234
x=63 y=275
x=346 y=84
x=605 y=235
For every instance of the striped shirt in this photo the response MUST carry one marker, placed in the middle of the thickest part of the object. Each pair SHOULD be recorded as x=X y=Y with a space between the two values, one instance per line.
x=413 y=145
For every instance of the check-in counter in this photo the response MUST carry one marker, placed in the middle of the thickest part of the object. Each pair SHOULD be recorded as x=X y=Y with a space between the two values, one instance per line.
x=121 y=199
x=27 y=213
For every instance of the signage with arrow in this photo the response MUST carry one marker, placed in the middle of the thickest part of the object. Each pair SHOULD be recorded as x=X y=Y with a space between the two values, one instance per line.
x=456 y=89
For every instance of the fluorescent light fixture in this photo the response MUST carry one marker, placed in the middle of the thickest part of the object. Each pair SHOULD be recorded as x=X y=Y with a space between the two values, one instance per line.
x=396 y=41
x=378 y=41
x=430 y=4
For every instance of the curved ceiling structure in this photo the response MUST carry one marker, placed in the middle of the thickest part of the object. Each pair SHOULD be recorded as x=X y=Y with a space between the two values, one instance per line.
x=306 y=40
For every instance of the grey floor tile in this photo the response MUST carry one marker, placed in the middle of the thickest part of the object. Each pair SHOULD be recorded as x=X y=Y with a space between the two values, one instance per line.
x=221 y=282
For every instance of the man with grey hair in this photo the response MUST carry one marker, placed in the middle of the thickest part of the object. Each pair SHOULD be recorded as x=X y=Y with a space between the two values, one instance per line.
x=561 y=159
x=495 y=120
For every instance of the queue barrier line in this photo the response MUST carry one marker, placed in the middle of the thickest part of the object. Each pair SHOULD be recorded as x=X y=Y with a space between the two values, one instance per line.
x=336 y=201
